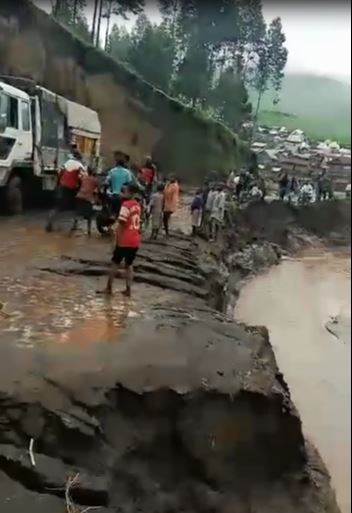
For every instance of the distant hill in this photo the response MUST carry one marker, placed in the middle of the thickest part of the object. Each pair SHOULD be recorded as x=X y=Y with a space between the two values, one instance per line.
x=321 y=106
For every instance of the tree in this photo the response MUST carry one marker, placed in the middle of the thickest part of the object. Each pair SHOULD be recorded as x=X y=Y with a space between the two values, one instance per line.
x=194 y=75
x=106 y=9
x=95 y=20
x=152 y=52
x=272 y=58
x=278 y=52
x=119 y=43
x=70 y=13
x=230 y=99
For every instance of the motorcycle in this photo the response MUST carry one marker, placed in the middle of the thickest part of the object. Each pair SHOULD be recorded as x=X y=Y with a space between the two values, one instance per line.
x=107 y=212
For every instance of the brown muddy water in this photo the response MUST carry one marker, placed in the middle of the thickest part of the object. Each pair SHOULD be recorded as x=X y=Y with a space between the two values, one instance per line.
x=294 y=301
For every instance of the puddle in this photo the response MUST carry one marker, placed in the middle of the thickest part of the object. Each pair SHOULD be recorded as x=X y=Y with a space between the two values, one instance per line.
x=295 y=300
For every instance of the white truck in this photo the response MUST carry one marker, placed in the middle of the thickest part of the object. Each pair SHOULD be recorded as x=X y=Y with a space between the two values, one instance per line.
x=37 y=131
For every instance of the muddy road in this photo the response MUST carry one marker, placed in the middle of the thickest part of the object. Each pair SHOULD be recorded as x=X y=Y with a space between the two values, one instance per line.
x=55 y=323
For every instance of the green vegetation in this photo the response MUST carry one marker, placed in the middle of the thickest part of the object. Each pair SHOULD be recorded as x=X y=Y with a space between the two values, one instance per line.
x=205 y=54
x=321 y=106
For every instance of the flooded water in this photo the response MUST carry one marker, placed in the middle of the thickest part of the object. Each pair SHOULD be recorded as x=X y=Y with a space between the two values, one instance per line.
x=295 y=301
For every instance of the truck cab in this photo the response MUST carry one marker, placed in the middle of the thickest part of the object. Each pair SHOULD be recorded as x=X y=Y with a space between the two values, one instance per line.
x=16 y=134
x=37 y=130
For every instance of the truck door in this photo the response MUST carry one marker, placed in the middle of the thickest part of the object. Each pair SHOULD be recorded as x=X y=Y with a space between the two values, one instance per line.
x=25 y=135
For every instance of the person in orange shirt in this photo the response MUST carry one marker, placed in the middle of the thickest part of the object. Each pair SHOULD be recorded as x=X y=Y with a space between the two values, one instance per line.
x=171 y=199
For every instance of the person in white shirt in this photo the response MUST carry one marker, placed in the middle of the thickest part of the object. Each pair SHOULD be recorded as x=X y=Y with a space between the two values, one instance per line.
x=217 y=214
x=230 y=180
x=256 y=193
x=306 y=193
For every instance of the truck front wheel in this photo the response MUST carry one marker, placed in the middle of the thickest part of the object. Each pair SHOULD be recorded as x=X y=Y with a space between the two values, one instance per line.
x=14 y=196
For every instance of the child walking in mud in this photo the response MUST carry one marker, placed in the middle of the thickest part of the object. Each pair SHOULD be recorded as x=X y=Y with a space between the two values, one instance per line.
x=127 y=238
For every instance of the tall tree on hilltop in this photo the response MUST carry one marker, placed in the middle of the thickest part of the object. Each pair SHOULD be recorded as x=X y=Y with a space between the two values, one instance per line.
x=95 y=20
x=272 y=58
x=279 y=53
x=152 y=52
x=119 y=8
x=119 y=44
x=70 y=13
x=99 y=19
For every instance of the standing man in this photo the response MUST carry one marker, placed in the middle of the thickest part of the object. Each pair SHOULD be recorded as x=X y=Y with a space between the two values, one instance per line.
x=283 y=186
x=208 y=208
x=171 y=198
x=127 y=238
x=218 y=212
x=156 y=210
x=118 y=176
x=67 y=187
x=148 y=175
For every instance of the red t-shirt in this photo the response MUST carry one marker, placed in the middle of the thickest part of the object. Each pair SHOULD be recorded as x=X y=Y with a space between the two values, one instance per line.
x=148 y=175
x=130 y=217
x=70 y=173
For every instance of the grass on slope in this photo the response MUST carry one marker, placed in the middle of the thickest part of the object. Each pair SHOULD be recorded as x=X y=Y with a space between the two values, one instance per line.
x=321 y=106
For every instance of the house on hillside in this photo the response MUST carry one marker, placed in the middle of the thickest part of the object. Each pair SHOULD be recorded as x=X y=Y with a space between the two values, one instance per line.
x=258 y=146
x=268 y=157
x=298 y=164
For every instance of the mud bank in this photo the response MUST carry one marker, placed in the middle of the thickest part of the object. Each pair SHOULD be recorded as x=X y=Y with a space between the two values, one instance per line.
x=197 y=418
x=260 y=235
x=184 y=411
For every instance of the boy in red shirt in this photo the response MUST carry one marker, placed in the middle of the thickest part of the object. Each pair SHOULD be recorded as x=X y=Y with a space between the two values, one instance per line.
x=128 y=238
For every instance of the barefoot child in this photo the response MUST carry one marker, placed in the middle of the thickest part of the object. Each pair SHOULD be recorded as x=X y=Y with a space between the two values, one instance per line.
x=128 y=238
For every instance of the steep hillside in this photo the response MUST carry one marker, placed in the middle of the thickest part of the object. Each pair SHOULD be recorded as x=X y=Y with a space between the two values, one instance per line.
x=135 y=116
x=319 y=105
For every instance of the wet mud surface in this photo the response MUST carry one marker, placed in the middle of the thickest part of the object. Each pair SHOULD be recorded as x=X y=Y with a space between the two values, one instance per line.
x=306 y=305
x=158 y=404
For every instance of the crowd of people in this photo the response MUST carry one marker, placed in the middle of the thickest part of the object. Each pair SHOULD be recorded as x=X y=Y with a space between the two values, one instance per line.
x=132 y=194
x=208 y=210
x=136 y=197
x=307 y=190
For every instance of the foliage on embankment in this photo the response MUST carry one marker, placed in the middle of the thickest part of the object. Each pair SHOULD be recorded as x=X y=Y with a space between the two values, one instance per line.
x=136 y=116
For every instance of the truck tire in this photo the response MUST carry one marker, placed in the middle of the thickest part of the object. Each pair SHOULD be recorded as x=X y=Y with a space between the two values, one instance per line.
x=14 y=196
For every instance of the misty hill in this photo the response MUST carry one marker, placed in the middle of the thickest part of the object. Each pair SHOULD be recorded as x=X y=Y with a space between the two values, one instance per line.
x=319 y=105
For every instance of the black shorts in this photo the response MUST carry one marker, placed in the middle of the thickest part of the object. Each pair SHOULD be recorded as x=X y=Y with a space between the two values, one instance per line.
x=126 y=254
x=116 y=202
x=84 y=208
x=65 y=198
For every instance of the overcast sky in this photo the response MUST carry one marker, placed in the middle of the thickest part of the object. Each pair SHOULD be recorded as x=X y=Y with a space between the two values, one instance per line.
x=318 y=33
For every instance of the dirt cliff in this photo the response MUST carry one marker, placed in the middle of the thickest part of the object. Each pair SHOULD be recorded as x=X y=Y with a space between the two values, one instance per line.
x=136 y=116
